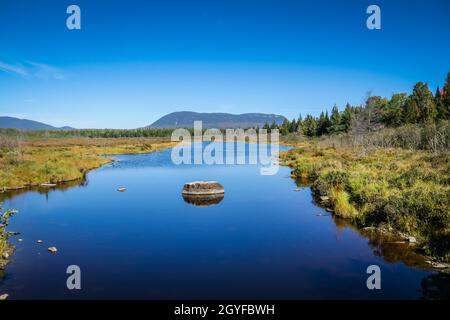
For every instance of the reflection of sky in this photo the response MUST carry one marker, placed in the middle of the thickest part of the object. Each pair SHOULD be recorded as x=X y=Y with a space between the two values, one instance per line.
x=265 y=239
x=240 y=151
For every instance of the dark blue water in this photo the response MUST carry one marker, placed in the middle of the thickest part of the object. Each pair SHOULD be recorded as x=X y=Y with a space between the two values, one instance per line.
x=265 y=239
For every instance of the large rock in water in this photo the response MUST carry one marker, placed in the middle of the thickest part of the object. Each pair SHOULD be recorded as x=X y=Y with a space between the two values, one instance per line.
x=203 y=188
x=203 y=193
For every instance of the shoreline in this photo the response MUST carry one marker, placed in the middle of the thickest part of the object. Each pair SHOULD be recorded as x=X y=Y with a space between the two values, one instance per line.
x=303 y=160
x=281 y=155
x=8 y=249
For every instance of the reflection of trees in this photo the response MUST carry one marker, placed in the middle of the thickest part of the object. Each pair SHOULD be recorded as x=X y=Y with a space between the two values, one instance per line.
x=436 y=286
x=392 y=250
x=43 y=190
x=302 y=182
x=387 y=246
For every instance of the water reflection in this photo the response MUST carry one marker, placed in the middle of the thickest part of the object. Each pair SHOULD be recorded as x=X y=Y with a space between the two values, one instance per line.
x=203 y=200
x=435 y=287
x=44 y=190
x=287 y=248
x=387 y=246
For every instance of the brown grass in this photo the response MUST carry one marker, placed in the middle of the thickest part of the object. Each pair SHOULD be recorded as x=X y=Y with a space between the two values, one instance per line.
x=33 y=162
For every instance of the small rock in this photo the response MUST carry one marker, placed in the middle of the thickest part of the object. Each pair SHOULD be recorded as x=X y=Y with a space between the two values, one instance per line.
x=40 y=241
x=52 y=249
x=412 y=240
x=121 y=189
x=4 y=296
x=438 y=265
x=324 y=198
x=48 y=185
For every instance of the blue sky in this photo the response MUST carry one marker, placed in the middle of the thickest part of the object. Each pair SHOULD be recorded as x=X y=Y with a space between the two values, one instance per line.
x=134 y=61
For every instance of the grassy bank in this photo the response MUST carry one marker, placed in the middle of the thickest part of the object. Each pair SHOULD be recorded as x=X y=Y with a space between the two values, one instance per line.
x=32 y=162
x=5 y=248
x=401 y=190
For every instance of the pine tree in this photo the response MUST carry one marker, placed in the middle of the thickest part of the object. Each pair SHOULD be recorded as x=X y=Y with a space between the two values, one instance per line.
x=273 y=125
x=293 y=126
x=299 y=124
x=346 y=117
x=420 y=106
x=335 y=121
x=446 y=96
x=284 y=130
x=392 y=114
x=323 y=124
x=309 y=126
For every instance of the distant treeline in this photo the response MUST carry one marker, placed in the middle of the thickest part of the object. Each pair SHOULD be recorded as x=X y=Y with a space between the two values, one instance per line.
x=90 y=133
x=421 y=107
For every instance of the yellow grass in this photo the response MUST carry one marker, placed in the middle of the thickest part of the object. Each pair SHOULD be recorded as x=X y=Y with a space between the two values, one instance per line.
x=58 y=160
x=405 y=190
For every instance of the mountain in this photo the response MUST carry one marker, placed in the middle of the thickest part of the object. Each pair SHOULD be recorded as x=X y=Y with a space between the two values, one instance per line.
x=185 y=119
x=24 y=124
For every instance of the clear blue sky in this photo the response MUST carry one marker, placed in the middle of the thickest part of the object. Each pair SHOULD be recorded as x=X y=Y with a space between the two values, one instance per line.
x=134 y=61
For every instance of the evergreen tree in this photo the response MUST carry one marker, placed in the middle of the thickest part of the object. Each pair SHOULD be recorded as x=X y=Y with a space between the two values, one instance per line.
x=284 y=130
x=335 y=121
x=420 y=106
x=273 y=125
x=323 y=124
x=299 y=124
x=392 y=114
x=446 y=96
x=346 y=117
x=293 y=126
x=309 y=126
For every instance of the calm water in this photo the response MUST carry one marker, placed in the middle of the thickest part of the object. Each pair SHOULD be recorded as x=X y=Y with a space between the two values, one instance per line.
x=265 y=239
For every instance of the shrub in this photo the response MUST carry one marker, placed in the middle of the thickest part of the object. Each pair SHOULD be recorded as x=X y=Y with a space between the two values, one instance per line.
x=342 y=206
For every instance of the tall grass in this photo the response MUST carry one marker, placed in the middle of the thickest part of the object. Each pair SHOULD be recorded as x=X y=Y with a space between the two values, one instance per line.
x=430 y=137
x=4 y=246
x=384 y=179
x=59 y=160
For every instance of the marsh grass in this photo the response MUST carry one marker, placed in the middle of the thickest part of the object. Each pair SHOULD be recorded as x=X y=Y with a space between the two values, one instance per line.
x=5 y=247
x=32 y=162
x=407 y=190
